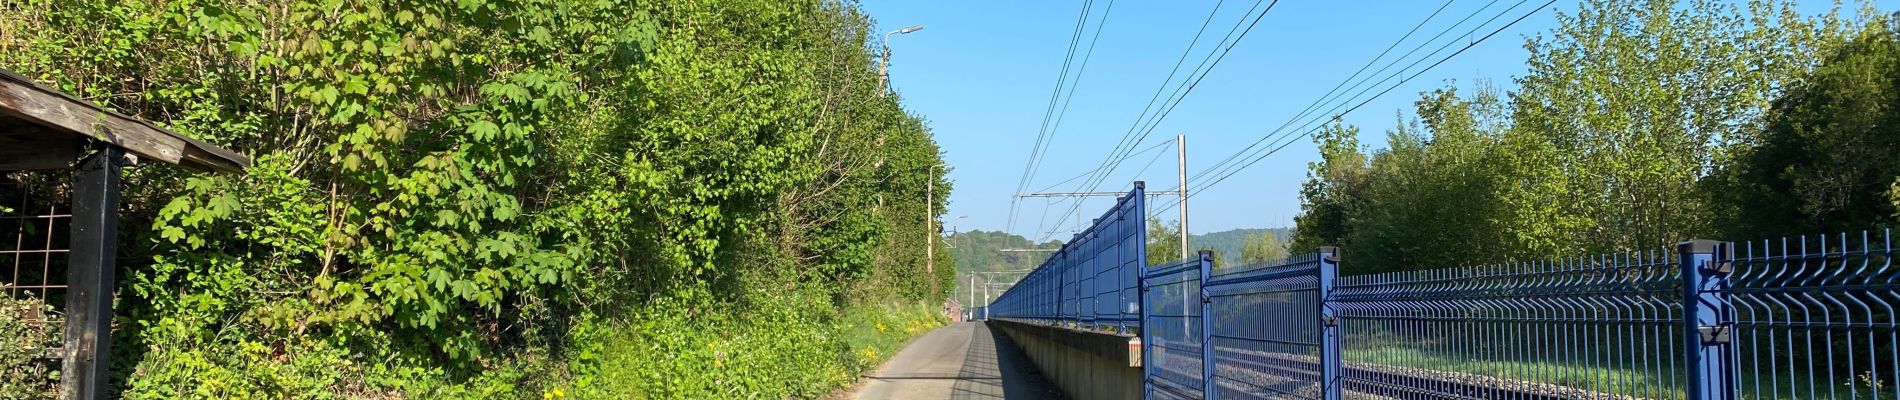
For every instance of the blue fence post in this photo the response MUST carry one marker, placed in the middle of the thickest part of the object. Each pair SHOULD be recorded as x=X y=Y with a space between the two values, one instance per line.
x=1209 y=388
x=1707 y=329
x=1145 y=334
x=1329 y=321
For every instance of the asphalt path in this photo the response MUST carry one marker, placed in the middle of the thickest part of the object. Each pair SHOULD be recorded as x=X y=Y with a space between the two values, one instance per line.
x=965 y=360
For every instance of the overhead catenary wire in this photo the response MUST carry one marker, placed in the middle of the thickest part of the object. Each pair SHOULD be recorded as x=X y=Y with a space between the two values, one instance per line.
x=1146 y=109
x=1181 y=90
x=1328 y=97
x=1273 y=139
x=1314 y=126
x=1144 y=169
x=1311 y=128
x=1211 y=61
x=1092 y=172
x=1053 y=128
x=1056 y=126
x=1036 y=150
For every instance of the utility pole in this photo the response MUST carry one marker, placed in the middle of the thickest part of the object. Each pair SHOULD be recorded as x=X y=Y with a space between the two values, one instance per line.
x=972 y=290
x=930 y=238
x=1180 y=142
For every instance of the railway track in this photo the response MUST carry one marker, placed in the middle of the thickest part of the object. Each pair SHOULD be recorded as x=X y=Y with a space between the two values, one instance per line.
x=1260 y=375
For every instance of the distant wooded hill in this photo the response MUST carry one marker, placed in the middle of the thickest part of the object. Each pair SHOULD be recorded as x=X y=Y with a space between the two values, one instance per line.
x=1227 y=244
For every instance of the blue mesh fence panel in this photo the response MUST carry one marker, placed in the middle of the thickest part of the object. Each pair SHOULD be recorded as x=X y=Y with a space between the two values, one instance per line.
x=1814 y=318
x=1596 y=328
x=1172 y=332
x=1092 y=281
x=1267 y=331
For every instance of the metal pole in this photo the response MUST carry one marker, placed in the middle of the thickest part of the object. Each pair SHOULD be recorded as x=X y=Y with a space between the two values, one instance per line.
x=1180 y=143
x=91 y=271
x=1210 y=387
x=930 y=208
x=1705 y=270
x=1330 y=363
x=884 y=65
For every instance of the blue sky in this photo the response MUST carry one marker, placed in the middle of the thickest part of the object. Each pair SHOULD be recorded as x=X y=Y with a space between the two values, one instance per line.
x=982 y=73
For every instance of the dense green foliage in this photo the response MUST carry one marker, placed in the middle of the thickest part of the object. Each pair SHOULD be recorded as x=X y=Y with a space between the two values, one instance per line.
x=500 y=199
x=1824 y=162
x=1639 y=124
x=1164 y=243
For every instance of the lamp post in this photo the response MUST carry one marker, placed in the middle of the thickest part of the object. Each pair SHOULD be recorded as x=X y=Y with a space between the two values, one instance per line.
x=884 y=63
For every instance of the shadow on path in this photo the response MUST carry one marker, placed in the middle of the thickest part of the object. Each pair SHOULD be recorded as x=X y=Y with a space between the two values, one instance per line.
x=996 y=369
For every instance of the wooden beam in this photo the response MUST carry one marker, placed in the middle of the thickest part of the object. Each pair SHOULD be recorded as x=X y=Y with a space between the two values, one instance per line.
x=53 y=110
x=34 y=150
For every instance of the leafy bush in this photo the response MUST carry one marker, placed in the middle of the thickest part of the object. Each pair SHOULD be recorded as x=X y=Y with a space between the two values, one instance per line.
x=491 y=199
x=24 y=338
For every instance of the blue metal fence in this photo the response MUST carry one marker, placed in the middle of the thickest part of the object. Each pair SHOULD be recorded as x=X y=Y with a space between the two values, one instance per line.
x=1813 y=318
x=1796 y=318
x=1604 y=327
x=1269 y=329
x=1092 y=281
x=1172 y=330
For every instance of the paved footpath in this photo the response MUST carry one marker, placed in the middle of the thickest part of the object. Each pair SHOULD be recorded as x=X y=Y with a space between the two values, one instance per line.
x=965 y=360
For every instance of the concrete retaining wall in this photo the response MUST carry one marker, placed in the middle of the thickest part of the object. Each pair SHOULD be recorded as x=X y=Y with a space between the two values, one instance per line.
x=1085 y=365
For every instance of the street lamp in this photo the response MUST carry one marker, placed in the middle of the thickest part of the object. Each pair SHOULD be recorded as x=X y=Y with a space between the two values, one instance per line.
x=884 y=63
x=953 y=230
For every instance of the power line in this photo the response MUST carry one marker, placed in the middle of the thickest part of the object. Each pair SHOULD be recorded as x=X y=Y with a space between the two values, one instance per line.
x=1310 y=107
x=1084 y=174
x=1036 y=162
x=1100 y=23
x=1035 y=151
x=1183 y=90
x=1388 y=89
x=1316 y=124
x=1178 y=62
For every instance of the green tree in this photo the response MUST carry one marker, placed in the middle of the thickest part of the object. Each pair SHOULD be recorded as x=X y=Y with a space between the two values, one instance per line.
x=1429 y=198
x=1334 y=188
x=476 y=199
x=1262 y=247
x=1164 y=243
x=1633 y=100
x=1823 y=163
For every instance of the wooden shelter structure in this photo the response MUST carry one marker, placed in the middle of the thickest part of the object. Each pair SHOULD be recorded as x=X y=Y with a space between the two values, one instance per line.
x=50 y=132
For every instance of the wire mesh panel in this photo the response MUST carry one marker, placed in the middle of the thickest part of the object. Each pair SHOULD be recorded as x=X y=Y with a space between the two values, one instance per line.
x=1172 y=332
x=33 y=256
x=1606 y=327
x=1092 y=281
x=1267 y=329
x=1814 y=318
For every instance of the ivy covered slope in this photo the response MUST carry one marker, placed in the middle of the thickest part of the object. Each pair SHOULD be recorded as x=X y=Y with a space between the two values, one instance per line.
x=696 y=198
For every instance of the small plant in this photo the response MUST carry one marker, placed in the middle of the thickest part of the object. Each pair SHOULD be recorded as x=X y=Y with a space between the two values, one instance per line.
x=1868 y=378
x=24 y=338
